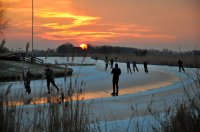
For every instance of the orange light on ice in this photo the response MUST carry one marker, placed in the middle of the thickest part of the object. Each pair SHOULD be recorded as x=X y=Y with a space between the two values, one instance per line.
x=84 y=46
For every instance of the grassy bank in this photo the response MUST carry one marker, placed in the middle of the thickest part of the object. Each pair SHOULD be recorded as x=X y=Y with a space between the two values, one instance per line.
x=171 y=60
x=12 y=70
x=53 y=116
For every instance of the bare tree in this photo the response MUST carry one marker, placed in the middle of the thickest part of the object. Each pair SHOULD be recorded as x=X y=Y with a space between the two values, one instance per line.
x=3 y=49
x=3 y=19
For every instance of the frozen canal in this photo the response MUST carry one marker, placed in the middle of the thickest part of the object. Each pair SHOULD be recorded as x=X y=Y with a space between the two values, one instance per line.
x=162 y=85
x=96 y=82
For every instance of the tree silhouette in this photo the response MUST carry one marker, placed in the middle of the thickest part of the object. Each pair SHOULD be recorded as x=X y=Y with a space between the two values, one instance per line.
x=65 y=48
x=2 y=46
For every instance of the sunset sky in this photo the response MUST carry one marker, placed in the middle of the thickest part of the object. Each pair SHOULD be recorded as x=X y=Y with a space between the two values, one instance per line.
x=155 y=24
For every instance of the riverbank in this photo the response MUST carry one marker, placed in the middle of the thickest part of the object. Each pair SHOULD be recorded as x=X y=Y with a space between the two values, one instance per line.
x=12 y=70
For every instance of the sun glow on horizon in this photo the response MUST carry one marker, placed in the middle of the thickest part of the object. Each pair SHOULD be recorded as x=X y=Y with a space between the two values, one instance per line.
x=84 y=46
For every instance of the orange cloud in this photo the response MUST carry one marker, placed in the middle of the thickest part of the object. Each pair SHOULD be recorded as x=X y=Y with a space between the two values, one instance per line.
x=78 y=20
x=131 y=27
x=79 y=36
x=54 y=31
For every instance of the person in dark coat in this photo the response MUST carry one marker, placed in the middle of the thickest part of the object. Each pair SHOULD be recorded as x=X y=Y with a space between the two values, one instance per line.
x=116 y=73
x=111 y=63
x=135 y=66
x=106 y=62
x=180 y=64
x=50 y=78
x=128 y=66
x=27 y=79
x=145 y=67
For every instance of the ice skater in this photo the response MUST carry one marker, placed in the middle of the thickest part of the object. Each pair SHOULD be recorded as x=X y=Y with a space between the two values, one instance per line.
x=128 y=66
x=106 y=63
x=27 y=79
x=180 y=64
x=50 y=78
x=145 y=67
x=135 y=66
x=116 y=73
x=111 y=63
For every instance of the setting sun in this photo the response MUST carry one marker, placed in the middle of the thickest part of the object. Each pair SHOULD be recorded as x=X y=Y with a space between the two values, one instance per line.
x=83 y=46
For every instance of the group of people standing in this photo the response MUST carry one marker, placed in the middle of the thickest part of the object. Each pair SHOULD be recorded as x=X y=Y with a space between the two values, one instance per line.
x=116 y=71
x=128 y=64
x=111 y=61
x=134 y=64
x=49 y=77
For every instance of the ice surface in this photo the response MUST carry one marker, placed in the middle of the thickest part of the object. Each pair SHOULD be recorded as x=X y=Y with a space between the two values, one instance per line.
x=163 y=84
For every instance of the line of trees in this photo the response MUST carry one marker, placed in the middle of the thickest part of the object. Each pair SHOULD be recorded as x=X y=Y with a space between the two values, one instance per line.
x=67 y=48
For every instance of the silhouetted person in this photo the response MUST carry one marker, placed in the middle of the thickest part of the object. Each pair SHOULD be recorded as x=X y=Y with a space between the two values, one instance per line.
x=128 y=66
x=27 y=79
x=111 y=62
x=135 y=66
x=180 y=64
x=106 y=58
x=145 y=67
x=106 y=62
x=116 y=73
x=50 y=78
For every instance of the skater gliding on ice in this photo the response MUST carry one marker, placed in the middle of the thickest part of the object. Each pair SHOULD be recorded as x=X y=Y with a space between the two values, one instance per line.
x=135 y=66
x=106 y=63
x=27 y=79
x=180 y=64
x=145 y=67
x=111 y=63
x=50 y=78
x=128 y=66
